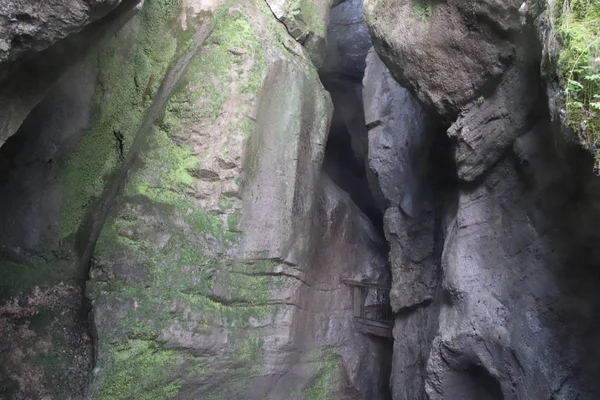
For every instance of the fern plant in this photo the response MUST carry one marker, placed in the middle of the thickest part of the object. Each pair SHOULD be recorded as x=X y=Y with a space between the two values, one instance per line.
x=422 y=11
x=578 y=23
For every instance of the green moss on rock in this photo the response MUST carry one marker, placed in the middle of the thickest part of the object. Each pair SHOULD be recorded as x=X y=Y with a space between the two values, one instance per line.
x=323 y=385
x=143 y=370
x=130 y=72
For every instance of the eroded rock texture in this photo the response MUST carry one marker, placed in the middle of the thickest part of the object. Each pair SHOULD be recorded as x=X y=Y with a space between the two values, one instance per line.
x=306 y=21
x=513 y=313
x=177 y=170
x=27 y=26
x=40 y=41
x=400 y=151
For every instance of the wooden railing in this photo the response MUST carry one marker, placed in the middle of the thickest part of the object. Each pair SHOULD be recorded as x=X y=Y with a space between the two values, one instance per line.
x=371 y=307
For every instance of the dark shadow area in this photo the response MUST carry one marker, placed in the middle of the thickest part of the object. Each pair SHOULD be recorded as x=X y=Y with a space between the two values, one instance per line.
x=346 y=156
x=474 y=383
x=349 y=174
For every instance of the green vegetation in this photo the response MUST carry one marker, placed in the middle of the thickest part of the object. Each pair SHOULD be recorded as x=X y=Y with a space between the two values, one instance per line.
x=578 y=24
x=130 y=72
x=143 y=371
x=322 y=386
x=422 y=10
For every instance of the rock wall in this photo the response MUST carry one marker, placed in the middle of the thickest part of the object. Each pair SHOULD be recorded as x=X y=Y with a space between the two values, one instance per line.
x=168 y=228
x=40 y=42
x=510 y=312
x=175 y=171
x=401 y=144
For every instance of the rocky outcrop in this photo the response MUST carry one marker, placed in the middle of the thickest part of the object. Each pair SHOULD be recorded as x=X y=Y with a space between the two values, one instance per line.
x=514 y=314
x=400 y=134
x=27 y=27
x=210 y=275
x=54 y=171
x=40 y=42
x=348 y=40
x=465 y=56
x=306 y=21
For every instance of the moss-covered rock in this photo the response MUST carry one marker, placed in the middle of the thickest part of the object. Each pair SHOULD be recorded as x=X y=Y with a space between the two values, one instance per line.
x=131 y=66
x=170 y=287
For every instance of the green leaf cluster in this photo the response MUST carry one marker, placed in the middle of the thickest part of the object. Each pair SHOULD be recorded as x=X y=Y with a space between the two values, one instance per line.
x=578 y=23
x=422 y=11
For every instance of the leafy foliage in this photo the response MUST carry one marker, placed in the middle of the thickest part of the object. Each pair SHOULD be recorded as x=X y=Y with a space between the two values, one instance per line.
x=578 y=23
x=422 y=11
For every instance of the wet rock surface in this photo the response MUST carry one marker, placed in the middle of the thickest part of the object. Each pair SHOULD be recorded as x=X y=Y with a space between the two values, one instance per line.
x=401 y=143
x=348 y=40
x=448 y=53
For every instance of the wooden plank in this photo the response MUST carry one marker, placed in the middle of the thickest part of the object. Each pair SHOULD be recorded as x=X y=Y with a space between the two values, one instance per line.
x=381 y=324
x=351 y=282
x=385 y=332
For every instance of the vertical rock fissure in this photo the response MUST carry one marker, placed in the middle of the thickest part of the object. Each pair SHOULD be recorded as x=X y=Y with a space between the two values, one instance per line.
x=346 y=160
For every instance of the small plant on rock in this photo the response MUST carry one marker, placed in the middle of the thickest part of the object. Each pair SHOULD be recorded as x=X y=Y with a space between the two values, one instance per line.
x=422 y=11
x=578 y=23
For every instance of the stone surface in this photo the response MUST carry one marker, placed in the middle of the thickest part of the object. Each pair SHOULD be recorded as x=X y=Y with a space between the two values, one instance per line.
x=305 y=21
x=281 y=170
x=399 y=140
x=210 y=275
x=31 y=220
x=508 y=311
x=27 y=80
x=486 y=130
x=348 y=40
x=54 y=170
x=520 y=314
x=448 y=53
x=30 y=26
x=402 y=163
x=347 y=46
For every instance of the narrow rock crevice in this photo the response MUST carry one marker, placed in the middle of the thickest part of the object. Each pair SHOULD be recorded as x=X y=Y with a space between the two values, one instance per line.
x=346 y=160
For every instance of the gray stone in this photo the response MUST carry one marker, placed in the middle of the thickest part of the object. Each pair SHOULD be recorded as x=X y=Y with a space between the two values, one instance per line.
x=283 y=163
x=31 y=220
x=399 y=139
x=399 y=160
x=29 y=26
x=348 y=40
x=306 y=22
x=35 y=63
x=484 y=131
x=432 y=48
x=218 y=307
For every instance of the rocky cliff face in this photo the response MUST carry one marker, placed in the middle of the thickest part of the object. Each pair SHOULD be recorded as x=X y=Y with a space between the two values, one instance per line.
x=509 y=310
x=184 y=185
x=174 y=173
